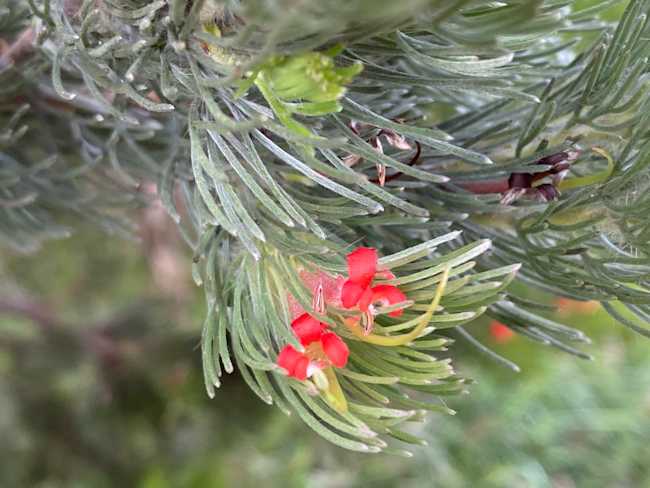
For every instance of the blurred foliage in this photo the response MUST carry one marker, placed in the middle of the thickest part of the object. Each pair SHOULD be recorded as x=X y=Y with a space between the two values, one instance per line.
x=101 y=385
x=561 y=423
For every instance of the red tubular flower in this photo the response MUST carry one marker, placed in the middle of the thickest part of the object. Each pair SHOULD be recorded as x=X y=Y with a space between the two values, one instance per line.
x=357 y=290
x=500 y=332
x=323 y=349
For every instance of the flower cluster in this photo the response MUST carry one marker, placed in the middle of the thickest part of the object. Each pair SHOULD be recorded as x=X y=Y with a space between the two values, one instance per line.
x=324 y=349
x=358 y=292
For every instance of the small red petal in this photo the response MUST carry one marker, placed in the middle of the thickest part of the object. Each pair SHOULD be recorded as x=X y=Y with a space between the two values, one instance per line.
x=500 y=332
x=288 y=358
x=365 y=300
x=307 y=329
x=300 y=371
x=362 y=265
x=336 y=350
x=389 y=295
x=351 y=293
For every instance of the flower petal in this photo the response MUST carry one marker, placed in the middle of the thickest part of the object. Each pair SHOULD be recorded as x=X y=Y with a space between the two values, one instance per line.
x=288 y=358
x=351 y=293
x=307 y=328
x=365 y=300
x=335 y=349
x=294 y=362
x=362 y=265
x=546 y=192
x=396 y=140
x=388 y=295
x=301 y=369
x=520 y=180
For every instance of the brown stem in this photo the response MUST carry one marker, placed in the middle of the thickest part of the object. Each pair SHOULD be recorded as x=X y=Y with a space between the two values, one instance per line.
x=485 y=187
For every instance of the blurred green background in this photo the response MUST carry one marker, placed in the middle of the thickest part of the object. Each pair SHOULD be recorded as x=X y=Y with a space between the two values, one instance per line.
x=101 y=386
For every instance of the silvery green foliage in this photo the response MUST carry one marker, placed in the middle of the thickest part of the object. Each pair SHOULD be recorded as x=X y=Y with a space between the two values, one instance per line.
x=119 y=92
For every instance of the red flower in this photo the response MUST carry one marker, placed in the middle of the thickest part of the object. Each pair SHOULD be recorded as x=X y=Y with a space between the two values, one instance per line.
x=357 y=290
x=323 y=348
x=500 y=332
